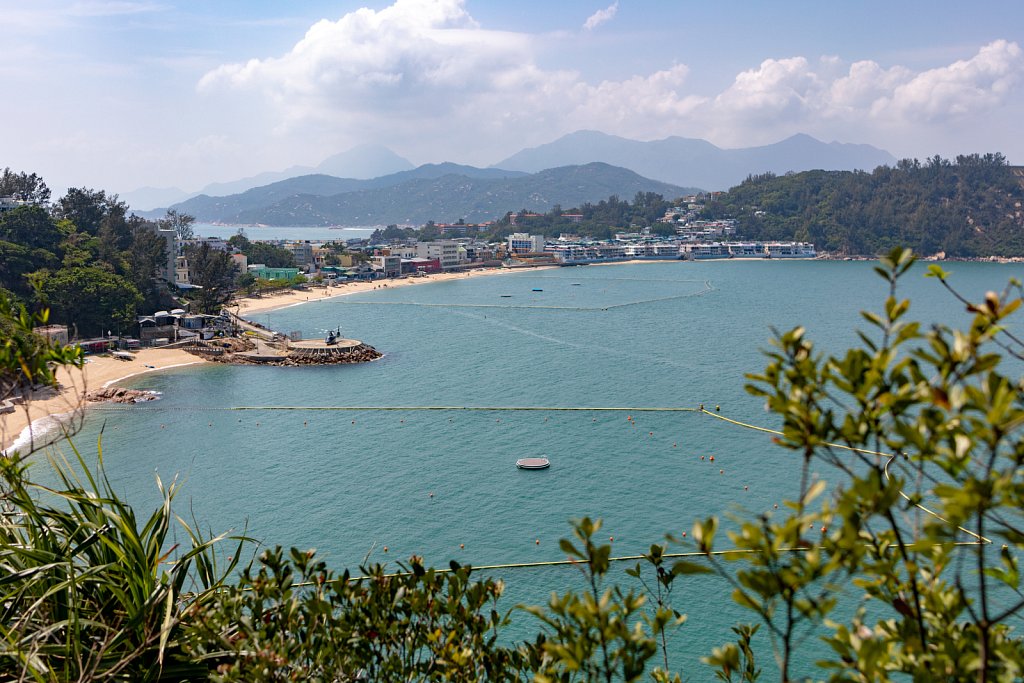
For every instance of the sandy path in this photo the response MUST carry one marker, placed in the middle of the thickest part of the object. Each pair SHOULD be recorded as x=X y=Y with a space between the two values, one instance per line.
x=33 y=424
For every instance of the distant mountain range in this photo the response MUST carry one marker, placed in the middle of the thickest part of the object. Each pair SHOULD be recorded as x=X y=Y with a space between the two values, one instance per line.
x=680 y=161
x=439 y=192
x=686 y=161
x=361 y=162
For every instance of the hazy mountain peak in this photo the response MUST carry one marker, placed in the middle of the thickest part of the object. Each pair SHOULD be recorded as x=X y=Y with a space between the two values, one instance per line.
x=363 y=162
x=691 y=162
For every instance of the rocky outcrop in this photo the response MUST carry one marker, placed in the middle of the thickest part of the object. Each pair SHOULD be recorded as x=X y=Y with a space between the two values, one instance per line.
x=119 y=395
x=242 y=352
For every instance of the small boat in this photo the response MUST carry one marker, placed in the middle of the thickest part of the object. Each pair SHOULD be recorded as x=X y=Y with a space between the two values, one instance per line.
x=533 y=463
x=506 y=296
x=575 y=284
x=537 y=289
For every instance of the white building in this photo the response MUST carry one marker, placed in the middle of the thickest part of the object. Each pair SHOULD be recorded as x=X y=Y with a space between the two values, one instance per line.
x=524 y=243
x=10 y=203
x=446 y=251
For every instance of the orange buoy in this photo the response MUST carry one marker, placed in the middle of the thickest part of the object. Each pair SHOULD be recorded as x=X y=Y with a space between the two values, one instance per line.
x=702 y=457
x=611 y=538
x=721 y=471
x=712 y=458
x=385 y=548
x=537 y=541
x=650 y=433
x=462 y=546
x=684 y=534
x=824 y=529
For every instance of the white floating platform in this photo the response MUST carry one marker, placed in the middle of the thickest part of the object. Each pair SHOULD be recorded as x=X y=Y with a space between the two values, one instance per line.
x=533 y=463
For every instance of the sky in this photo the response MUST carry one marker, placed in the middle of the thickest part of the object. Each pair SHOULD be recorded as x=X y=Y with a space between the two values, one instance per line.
x=122 y=94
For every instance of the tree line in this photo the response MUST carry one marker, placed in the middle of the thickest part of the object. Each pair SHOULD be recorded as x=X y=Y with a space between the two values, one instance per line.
x=968 y=207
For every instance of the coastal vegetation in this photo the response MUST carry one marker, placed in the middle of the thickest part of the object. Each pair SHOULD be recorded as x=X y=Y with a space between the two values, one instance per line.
x=905 y=567
x=87 y=259
x=968 y=207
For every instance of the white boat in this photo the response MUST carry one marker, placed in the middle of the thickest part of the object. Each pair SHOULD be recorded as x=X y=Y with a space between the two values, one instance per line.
x=533 y=463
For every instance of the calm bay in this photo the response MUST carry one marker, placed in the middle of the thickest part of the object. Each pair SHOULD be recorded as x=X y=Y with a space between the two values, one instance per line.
x=427 y=482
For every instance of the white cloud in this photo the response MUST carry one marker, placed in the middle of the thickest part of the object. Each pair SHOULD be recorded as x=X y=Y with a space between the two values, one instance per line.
x=783 y=96
x=962 y=88
x=420 y=68
x=601 y=16
x=423 y=76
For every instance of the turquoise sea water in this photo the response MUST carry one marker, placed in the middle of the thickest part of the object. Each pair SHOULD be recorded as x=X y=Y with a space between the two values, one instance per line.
x=649 y=335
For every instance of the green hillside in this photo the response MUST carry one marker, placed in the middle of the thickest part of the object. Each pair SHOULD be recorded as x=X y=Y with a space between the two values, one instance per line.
x=969 y=207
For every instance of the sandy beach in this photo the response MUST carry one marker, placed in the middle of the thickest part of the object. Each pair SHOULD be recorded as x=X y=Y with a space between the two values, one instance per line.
x=34 y=424
x=291 y=297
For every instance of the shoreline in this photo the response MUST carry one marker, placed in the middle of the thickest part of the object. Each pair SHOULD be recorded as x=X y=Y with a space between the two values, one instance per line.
x=38 y=423
x=288 y=298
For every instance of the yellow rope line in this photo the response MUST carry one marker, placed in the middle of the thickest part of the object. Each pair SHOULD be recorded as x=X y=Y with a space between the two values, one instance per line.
x=885 y=470
x=477 y=408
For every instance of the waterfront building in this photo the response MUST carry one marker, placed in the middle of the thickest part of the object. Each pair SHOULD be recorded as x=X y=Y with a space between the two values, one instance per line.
x=387 y=265
x=525 y=243
x=445 y=251
x=264 y=272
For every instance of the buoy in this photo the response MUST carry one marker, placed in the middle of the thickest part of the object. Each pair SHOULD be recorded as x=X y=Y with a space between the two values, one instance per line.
x=305 y=423
x=462 y=546
x=684 y=534
x=712 y=458
x=210 y=425
x=353 y=421
x=537 y=542
x=717 y=409
x=385 y=548
x=611 y=538
x=650 y=433
x=431 y=494
x=746 y=488
x=824 y=529
x=673 y=445
x=776 y=506
x=721 y=471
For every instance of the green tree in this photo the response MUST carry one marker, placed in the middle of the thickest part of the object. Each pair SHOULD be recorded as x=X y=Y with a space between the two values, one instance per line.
x=214 y=272
x=180 y=223
x=922 y=433
x=24 y=186
x=91 y=300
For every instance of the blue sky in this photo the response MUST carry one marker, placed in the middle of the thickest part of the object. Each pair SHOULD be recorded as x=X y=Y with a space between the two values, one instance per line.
x=119 y=94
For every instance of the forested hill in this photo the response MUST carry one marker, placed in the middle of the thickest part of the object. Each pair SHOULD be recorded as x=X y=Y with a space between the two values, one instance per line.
x=972 y=206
